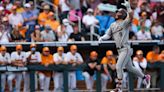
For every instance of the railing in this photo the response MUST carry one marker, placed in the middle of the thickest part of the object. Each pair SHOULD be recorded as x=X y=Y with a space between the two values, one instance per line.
x=93 y=33
x=91 y=43
x=66 y=68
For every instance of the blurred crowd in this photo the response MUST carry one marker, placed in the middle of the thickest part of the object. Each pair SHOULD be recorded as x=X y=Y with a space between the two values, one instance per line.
x=106 y=65
x=41 y=22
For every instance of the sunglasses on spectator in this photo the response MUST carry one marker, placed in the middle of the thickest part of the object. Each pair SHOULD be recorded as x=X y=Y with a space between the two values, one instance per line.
x=46 y=51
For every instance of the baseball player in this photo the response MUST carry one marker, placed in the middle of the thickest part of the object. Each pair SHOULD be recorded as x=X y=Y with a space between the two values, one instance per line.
x=18 y=59
x=33 y=57
x=44 y=76
x=140 y=63
x=4 y=60
x=74 y=58
x=90 y=70
x=108 y=62
x=58 y=76
x=120 y=33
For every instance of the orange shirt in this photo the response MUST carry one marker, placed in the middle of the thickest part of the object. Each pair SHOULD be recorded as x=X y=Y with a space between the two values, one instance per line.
x=105 y=60
x=20 y=10
x=56 y=2
x=42 y=16
x=53 y=24
x=151 y=56
x=47 y=60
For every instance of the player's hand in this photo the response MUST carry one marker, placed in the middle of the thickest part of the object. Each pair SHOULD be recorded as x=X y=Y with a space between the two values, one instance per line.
x=100 y=39
x=126 y=4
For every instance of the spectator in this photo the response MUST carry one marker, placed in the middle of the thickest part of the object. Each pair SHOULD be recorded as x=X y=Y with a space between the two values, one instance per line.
x=105 y=20
x=61 y=34
x=157 y=31
x=144 y=17
x=73 y=58
x=65 y=8
x=140 y=63
x=161 y=56
x=7 y=26
x=47 y=35
x=15 y=18
x=76 y=35
x=22 y=30
x=69 y=28
x=89 y=71
x=6 y=11
x=43 y=16
x=18 y=4
x=16 y=36
x=34 y=10
x=52 y=22
x=29 y=20
x=4 y=60
x=4 y=35
x=36 y=35
x=58 y=76
x=18 y=59
x=44 y=76
x=108 y=61
x=8 y=4
x=143 y=34
x=92 y=20
x=152 y=57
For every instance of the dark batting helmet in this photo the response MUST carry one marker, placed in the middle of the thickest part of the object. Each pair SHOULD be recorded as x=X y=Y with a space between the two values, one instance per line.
x=122 y=15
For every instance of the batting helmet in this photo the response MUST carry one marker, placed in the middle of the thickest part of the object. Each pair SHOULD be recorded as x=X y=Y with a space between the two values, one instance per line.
x=122 y=15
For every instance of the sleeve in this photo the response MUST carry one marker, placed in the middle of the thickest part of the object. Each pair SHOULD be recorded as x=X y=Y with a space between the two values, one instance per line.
x=80 y=58
x=126 y=22
x=39 y=57
x=149 y=56
x=55 y=58
x=12 y=56
x=104 y=61
x=84 y=19
x=143 y=64
x=107 y=34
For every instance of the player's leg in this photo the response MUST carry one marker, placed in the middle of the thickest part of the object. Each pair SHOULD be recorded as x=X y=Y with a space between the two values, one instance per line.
x=87 y=80
x=18 y=81
x=3 y=81
x=56 y=81
x=41 y=80
x=26 y=78
x=73 y=80
x=104 y=81
x=131 y=68
x=122 y=61
x=139 y=82
x=47 y=84
x=10 y=78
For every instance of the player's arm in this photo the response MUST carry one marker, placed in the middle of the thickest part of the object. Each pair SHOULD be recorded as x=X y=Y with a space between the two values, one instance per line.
x=107 y=35
x=129 y=10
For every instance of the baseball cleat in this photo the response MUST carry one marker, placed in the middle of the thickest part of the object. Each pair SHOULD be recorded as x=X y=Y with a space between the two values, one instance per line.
x=146 y=81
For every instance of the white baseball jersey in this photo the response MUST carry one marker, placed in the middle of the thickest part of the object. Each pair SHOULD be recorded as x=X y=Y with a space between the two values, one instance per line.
x=76 y=58
x=5 y=58
x=58 y=58
x=15 y=56
x=120 y=32
x=36 y=57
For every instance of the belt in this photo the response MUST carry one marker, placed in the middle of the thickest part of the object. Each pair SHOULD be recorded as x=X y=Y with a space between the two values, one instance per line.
x=120 y=47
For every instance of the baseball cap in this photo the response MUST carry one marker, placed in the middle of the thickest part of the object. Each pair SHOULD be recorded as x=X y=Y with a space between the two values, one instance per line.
x=65 y=21
x=27 y=5
x=90 y=10
x=46 y=7
x=47 y=27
